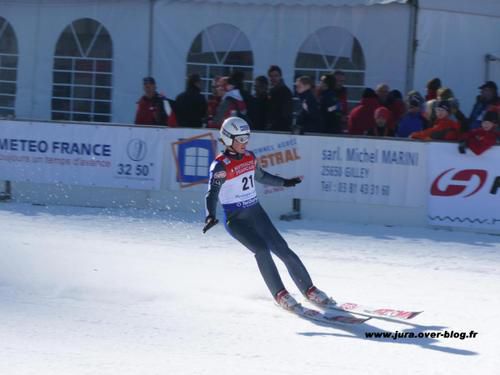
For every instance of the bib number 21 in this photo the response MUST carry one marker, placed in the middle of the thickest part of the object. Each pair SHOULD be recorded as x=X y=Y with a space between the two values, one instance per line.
x=247 y=182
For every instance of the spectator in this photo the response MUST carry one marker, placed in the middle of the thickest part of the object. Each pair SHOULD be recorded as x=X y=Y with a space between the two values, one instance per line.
x=396 y=105
x=443 y=93
x=258 y=109
x=280 y=101
x=213 y=103
x=341 y=93
x=153 y=108
x=383 y=121
x=481 y=139
x=238 y=79
x=308 y=118
x=330 y=107
x=361 y=120
x=444 y=129
x=432 y=87
x=232 y=103
x=382 y=91
x=413 y=121
x=484 y=101
x=191 y=105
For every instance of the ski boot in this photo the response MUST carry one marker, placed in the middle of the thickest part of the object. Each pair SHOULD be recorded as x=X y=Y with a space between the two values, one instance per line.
x=318 y=297
x=285 y=300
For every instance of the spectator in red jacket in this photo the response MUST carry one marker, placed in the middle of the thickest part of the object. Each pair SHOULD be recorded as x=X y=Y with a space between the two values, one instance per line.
x=361 y=120
x=444 y=128
x=481 y=139
x=153 y=108
x=383 y=119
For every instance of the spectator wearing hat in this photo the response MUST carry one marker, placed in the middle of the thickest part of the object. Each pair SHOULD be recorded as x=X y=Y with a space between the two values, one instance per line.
x=153 y=108
x=383 y=120
x=444 y=128
x=443 y=93
x=361 y=120
x=413 y=121
x=280 y=101
x=191 y=105
x=481 y=139
x=487 y=99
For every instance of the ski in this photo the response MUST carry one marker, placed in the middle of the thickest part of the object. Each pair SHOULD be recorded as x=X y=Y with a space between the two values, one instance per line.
x=370 y=311
x=325 y=318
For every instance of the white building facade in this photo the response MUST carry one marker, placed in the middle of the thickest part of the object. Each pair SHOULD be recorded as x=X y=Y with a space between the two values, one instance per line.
x=84 y=60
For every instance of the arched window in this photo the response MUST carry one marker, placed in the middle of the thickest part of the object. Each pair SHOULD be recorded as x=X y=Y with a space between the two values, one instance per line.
x=330 y=49
x=8 y=69
x=83 y=64
x=217 y=51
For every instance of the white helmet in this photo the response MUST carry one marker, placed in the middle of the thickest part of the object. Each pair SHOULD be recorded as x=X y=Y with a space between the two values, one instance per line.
x=234 y=128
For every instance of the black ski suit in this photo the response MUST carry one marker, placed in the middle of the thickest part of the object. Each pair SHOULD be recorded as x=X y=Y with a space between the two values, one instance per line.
x=246 y=220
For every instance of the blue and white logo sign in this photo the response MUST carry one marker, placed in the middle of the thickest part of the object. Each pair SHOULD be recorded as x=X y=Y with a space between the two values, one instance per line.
x=137 y=149
x=193 y=156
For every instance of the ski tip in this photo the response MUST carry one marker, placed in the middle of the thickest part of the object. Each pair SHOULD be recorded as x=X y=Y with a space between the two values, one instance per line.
x=414 y=314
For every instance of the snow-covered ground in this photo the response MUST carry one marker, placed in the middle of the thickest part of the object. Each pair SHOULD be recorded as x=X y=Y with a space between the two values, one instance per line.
x=94 y=291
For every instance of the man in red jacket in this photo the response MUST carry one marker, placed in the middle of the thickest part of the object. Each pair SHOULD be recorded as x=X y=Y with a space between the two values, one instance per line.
x=152 y=108
x=361 y=120
x=481 y=139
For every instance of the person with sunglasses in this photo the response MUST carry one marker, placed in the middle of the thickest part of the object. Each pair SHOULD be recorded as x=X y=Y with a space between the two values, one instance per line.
x=232 y=179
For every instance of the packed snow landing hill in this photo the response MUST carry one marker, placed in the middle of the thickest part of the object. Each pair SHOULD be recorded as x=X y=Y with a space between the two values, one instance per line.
x=94 y=291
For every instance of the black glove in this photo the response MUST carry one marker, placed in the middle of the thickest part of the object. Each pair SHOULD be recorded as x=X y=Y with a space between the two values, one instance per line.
x=461 y=147
x=210 y=221
x=289 y=182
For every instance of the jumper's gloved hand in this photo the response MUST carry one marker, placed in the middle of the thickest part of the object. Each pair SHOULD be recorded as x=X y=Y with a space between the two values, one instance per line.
x=289 y=182
x=210 y=221
x=461 y=147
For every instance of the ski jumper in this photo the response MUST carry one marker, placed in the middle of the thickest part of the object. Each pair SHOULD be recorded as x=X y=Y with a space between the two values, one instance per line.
x=232 y=181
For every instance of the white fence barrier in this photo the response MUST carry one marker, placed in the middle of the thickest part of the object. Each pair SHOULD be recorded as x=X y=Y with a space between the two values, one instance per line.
x=362 y=179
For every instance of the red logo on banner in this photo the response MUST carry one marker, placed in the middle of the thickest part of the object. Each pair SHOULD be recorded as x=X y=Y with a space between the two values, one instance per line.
x=465 y=175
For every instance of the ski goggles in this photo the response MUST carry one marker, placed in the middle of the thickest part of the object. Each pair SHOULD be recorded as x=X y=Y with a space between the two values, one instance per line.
x=243 y=138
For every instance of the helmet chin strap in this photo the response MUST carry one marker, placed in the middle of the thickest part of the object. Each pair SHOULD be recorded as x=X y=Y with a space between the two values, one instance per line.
x=232 y=151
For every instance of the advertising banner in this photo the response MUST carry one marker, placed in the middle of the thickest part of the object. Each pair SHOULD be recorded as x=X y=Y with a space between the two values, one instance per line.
x=360 y=170
x=75 y=154
x=332 y=168
x=464 y=189
x=194 y=150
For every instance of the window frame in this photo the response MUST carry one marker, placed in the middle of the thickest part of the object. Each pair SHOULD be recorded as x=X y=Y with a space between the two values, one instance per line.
x=317 y=72
x=73 y=113
x=206 y=73
x=8 y=110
